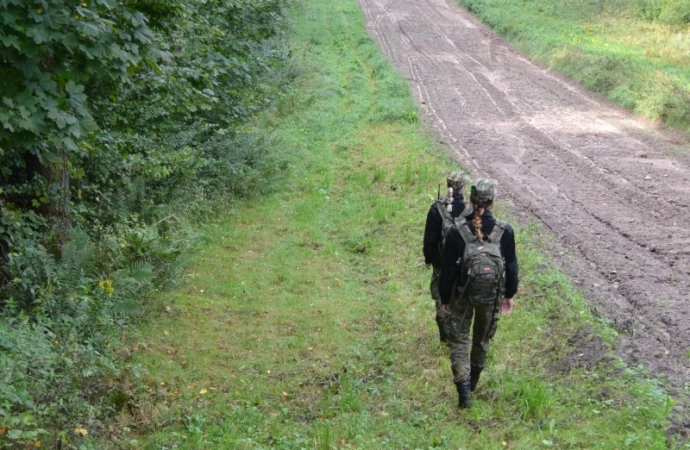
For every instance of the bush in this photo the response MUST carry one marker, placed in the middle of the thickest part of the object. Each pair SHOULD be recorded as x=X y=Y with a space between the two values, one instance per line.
x=665 y=99
x=671 y=12
x=91 y=230
x=675 y=13
x=650 y=9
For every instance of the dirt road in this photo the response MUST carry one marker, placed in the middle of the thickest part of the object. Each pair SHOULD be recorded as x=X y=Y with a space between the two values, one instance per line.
x=614 y=190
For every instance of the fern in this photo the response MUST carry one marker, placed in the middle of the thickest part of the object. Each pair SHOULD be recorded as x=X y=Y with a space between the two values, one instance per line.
x=42 y=264
x=136 y=196
x=127 y=308
x=128 y=282
x=141 y=272
x=77 y=262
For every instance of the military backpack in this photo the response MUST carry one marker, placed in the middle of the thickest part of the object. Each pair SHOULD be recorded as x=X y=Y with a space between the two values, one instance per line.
x=448 y=221
x=482 y=269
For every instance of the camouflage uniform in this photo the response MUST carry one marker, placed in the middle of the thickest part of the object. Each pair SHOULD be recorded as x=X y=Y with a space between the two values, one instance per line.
x=466 y=351
x=432 y=243
x=433 y=287
x=469 y=342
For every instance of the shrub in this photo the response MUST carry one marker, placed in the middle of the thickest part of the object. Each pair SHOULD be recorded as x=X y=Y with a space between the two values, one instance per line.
x=99 y=195
x=675 y=13
x=665 y=98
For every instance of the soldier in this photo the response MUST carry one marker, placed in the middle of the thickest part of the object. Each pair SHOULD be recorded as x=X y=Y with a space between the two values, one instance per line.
x=454 y=205
x=462 y=298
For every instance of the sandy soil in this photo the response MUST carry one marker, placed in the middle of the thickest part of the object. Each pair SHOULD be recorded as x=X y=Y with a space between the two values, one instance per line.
x=613 y=189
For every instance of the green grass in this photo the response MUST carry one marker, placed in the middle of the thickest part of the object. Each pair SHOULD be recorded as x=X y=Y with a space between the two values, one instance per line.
x=622 y=50
x=306 y=321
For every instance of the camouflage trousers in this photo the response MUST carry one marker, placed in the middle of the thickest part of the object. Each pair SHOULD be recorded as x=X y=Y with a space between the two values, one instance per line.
x=441 y=317
x=469 y=350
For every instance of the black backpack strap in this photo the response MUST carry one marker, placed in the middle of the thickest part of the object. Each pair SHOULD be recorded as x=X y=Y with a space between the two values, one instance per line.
x=465 y=233
x=469 y=238
x=497 y=232
x=441 y=207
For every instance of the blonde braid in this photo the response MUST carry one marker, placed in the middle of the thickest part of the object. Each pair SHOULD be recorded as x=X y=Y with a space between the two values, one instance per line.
x=482 y=198
x=477 y=222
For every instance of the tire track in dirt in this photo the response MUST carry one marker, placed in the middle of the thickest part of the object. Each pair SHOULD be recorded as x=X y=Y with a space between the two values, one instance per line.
x=613 y=189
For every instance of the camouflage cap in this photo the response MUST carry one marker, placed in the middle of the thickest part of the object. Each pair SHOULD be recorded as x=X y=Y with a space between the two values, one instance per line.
x=457 y=179
x=484 y=190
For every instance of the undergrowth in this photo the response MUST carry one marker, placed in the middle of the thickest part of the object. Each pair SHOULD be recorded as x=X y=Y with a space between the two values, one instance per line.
x=123 y=128
x=306 y=319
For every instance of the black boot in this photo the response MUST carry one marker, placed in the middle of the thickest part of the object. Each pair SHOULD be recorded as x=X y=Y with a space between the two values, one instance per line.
x=464 y=396
x=442 y=332
x=474 y=376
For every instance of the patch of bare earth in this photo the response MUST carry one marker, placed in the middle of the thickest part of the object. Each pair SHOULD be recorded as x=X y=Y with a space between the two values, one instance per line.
x=612 y=188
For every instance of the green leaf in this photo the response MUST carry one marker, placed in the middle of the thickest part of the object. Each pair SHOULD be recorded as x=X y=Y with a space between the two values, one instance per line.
x=88 y=29
x=32 y=124
x=5 y=120
x=61 y=118
x=72 y=88
x=14 y=434
x=39 y=34
x=28 y=419
x=10 y=41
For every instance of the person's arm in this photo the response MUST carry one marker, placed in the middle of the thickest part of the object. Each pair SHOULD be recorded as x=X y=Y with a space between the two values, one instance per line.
x=449 y=268
x=431 y=235
x=511 y=262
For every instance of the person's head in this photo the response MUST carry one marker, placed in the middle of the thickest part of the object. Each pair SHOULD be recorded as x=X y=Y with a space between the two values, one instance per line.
x=483 y=193
x=457 y=180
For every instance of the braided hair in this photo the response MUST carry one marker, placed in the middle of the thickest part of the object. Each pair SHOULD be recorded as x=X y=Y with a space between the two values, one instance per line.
x=479 y=206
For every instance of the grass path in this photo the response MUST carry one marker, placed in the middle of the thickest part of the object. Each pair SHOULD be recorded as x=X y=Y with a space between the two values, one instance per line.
x=306 y=321
x=628 y=51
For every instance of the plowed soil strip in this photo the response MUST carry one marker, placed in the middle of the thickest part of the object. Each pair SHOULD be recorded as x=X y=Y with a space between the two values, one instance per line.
x=613 y=189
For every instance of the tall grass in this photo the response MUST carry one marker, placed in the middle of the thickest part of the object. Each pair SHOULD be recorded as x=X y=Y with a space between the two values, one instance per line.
x=306 y=322
x=637 y=53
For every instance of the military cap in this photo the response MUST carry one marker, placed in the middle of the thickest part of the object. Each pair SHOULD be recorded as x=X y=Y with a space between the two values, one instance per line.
x=484 y=190
x=457 y=179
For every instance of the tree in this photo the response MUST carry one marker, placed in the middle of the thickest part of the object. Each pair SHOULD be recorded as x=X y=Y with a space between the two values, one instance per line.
x=49 y=51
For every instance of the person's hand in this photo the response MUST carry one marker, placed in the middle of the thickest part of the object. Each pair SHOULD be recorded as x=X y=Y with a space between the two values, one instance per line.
x=507 y=305
x=445 y=309
x=427 y=265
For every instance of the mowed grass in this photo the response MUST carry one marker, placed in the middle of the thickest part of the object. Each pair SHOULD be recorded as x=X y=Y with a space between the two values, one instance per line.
x=631 y=52
x=306 y=320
